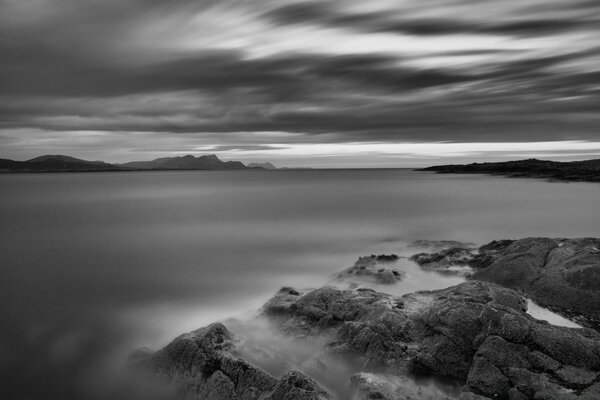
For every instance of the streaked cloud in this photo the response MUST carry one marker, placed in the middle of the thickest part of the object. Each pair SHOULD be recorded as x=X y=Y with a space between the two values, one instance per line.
x=189 y=75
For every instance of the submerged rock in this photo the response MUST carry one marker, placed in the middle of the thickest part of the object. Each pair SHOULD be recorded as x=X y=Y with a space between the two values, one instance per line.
x=373 y=269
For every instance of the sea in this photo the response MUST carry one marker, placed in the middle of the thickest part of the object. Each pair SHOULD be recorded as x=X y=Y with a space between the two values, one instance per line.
x=96 y=265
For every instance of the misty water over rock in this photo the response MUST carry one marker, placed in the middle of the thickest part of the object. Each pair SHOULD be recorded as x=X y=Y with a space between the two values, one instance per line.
x=372 y=268
x=470 y=341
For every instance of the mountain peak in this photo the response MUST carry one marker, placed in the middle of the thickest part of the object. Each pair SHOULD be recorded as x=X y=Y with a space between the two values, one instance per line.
x=210 y=157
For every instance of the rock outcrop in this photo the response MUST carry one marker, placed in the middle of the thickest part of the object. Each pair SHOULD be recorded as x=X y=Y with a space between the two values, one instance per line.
x=201 y=365
x=461 y=259
x=563 y=274
x=476 y=333
x=373 y=268
x=455 y=260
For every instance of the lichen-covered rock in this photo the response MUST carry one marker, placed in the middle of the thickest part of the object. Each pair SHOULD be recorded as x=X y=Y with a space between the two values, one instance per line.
x=201 y=365
x=373 y=268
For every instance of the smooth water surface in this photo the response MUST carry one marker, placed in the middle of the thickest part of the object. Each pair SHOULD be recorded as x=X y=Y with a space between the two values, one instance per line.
x=95 y=265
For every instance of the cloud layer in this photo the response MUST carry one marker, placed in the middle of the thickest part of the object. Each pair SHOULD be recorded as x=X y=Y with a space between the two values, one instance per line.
x=114 y=79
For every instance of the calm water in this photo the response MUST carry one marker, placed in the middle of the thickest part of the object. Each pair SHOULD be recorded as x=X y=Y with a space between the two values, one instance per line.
x=94 y=265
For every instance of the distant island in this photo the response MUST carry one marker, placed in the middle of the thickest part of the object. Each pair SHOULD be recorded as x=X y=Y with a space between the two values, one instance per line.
x=61 y=163
x=575 y=171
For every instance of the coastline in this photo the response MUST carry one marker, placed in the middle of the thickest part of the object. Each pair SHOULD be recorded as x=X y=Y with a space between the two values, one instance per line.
x=574 y=171
x=473 y=336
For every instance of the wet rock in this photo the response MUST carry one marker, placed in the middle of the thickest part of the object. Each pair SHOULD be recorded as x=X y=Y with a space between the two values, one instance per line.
x=296 y=386
x=576 y=377
x=370 y=386
x=461 y=259
x=563 y=274
x=201 y=365
x=476 y=333
x=454 y=260
x=373 y=268
x=282 y=301
x=488 y=253
x=324 y=308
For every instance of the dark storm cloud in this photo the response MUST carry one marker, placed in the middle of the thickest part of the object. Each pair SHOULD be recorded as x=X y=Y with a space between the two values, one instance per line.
x=188 y=70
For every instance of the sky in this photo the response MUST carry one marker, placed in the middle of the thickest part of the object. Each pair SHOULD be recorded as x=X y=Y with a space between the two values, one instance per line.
x=337 y=83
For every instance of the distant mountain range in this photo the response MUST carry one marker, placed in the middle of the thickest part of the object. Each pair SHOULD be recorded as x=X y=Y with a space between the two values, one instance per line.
x=264 y=165
x=55 y=163
x=186 y=162
x=61 y=163
x=584 y=171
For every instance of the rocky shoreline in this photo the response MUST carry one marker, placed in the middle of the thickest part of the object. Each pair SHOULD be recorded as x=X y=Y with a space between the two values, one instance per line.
x=561 y=274
x=476 y=335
